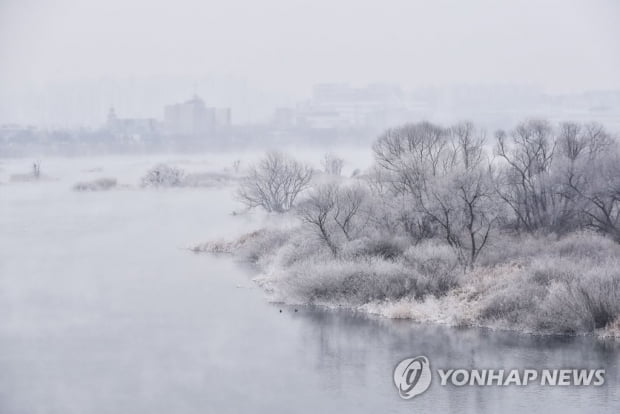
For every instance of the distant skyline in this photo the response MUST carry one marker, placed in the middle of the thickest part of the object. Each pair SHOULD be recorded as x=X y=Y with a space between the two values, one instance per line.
x=257 y=55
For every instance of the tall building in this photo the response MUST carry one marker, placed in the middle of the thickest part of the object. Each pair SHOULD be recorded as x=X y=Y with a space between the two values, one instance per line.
x=222 y=117
x=188 y=118
x=193 y=117
x=340 y=106
x=133 y=128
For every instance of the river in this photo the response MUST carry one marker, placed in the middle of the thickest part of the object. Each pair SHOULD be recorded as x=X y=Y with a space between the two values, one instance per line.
x=104 y=311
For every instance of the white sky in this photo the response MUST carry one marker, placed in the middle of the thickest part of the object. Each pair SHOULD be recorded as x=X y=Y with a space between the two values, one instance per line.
x=288 y=45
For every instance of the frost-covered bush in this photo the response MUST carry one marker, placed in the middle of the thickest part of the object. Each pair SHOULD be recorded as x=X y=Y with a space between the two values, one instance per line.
x=95 y=185
x=506 y=299
x=389 y=248
x=432 y=256
x=555 y=291
x=438 y=264
x=163 y=175
x=525 y=247
x=257 y=245
x=584 y=298
x=347 y=282
x=252 y=247
x=586 y=245
x=299 y=247
x=506 y=248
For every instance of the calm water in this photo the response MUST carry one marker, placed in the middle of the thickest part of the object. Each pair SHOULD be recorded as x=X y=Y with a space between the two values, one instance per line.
x=102 y=311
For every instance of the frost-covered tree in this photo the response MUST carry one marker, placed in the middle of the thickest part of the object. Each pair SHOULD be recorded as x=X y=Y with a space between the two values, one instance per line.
x=163 y=175
x=274 y=183
x=392 y=210
x=602 y=195
x=559 y=180
x=591 y=177
x=445 y=175
x=349 y=208
x=336 y=212
x=526 y=182
x=317 y=210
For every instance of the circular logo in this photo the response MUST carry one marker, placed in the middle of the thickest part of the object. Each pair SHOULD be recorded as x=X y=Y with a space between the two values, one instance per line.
x=412 y=376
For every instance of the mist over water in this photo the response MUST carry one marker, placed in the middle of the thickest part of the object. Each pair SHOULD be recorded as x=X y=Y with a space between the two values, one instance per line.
x=105 y=311
x=134 y=135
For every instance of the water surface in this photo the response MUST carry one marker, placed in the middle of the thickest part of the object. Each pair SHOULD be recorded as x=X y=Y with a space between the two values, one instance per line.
x=103 y=311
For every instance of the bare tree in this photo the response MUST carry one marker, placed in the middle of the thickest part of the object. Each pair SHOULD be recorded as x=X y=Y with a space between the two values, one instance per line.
x=444 y=174
x=317 y=210
x=410 y=151
x=468 y=144
x=349 y=202
x=592 y=176
x=461 y=199
x=274 y=183
x=336 y=212
x=526 y=184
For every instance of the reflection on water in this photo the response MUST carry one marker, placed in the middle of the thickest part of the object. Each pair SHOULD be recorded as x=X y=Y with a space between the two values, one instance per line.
x=347 y=345
x=103 y=313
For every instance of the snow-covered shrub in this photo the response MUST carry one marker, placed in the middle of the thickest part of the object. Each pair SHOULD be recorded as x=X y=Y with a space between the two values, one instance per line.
x=507 y=300
x=586 y=245
x=347 y=282
x=438 y=264
x=612 y=329
x=259 y=244
x=585 y=299
x=506 y=248
x=163 y=175
x=432 y=256
x=299 y=247
x=249 y=246
x=524 y=248
x=95 y=185
x=385 y=247
x=556 y=292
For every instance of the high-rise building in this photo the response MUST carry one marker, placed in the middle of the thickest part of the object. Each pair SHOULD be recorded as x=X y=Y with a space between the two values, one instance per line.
x=222 y=118
x=131 y=128
x=193 y=117
x=189 y=118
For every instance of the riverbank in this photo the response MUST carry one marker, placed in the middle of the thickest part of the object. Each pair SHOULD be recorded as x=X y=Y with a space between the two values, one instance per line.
x=534 y=284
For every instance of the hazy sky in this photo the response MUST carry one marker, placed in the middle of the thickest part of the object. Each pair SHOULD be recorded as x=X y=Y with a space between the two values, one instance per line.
x=288 y=45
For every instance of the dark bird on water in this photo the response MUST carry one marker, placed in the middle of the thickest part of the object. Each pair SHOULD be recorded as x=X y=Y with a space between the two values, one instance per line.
x=280 y=310
x=295 y=310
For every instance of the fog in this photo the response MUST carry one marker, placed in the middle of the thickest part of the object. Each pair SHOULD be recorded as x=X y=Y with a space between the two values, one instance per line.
x=104 y=310
x=65 y=62
x=308 y=191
